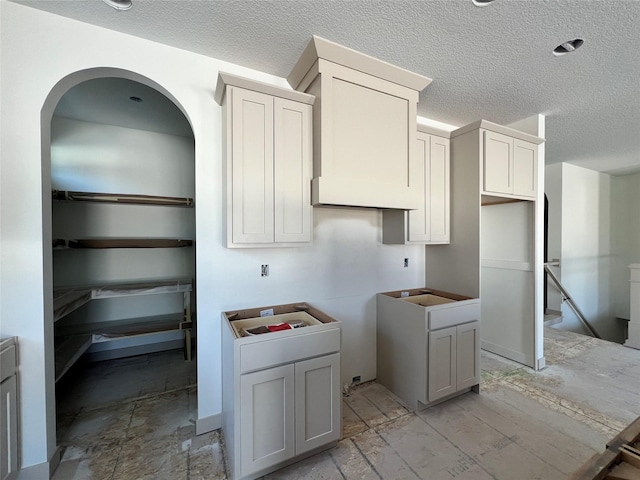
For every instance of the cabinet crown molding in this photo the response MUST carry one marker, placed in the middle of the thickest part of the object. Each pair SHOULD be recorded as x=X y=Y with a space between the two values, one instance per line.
x=225 y=79
x=319 y=47
x=494 y=127
x=430 y=130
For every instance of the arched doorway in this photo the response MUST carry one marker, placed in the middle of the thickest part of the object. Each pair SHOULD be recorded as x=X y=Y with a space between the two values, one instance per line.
x=122 y=136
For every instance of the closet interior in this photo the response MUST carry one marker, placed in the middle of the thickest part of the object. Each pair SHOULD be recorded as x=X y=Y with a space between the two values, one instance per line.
x=123 y=224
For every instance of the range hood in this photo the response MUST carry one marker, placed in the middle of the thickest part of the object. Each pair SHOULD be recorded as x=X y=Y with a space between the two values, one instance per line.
x=365 y=124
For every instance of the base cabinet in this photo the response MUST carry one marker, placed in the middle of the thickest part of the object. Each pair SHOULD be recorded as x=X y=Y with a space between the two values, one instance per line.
x=428 y=345
x=453 y=360
x=281 y=390
x=287 y=411
x=8 y=409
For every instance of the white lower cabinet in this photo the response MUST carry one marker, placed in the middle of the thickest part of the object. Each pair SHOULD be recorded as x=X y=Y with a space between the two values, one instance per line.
x=288 y=410
x=428 y=345
x=453 y=359
x=281 y=390
x=8 y=409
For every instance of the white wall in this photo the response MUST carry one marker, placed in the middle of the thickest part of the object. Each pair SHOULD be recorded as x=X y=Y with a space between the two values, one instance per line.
x=586 y=249
x=93 y=157
x=625 y=227
x=340 y=273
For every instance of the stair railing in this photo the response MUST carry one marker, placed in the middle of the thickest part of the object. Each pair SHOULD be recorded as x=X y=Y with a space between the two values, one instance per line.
x=566 y=297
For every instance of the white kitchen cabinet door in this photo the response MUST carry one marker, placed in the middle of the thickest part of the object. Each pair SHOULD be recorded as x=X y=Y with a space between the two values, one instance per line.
x=267 y=418
x=429 y=174
x=420 y=179
x=438 y=190
x=318 y=402
x=9 y=428
x=293 y=152
x=442 y=363
x=467 y=355
x=252 y=194
x=498 y=163
x=525 y=166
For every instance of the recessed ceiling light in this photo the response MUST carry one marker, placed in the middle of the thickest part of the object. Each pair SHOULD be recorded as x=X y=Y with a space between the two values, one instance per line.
x=119 y=4
x=482 y=3
x=135 y=99
x=568 y=47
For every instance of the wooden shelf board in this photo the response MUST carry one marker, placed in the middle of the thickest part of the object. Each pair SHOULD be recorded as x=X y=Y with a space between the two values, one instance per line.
x=69 y=351
x=122 y=243
x=123 y=327
x=122 y=198
x=68 y=299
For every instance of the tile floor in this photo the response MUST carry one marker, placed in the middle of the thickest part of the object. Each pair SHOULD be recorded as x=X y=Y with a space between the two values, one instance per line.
x=523 y=425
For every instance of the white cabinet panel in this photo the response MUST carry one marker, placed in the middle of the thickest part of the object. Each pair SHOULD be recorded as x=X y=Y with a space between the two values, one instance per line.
x=318 y=401
x=442 y=363
x=292 y=155
x=252 y=166
x=267 y=420
x=369 y=132
x=498 y=170
x=468 y=355
x=525 y=161
x=439 y=185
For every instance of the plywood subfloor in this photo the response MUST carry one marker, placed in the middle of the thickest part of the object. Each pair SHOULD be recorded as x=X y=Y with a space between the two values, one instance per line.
x=523 y=425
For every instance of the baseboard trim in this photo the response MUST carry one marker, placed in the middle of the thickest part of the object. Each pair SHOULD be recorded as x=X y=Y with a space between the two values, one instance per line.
x=507 y=353
x=208 y=424
x=41 y=470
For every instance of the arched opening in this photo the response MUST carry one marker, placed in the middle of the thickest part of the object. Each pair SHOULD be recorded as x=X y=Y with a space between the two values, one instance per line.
x=119 y=221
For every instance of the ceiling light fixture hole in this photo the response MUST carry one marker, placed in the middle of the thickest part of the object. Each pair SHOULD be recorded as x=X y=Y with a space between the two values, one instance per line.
x=482 y=3
x=119 y=4
x=568 y=47
x=135 y=99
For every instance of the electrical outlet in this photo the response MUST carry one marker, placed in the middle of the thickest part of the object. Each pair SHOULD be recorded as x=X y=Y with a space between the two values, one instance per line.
x=264 y=271
x=406 y=262
x=356 y=379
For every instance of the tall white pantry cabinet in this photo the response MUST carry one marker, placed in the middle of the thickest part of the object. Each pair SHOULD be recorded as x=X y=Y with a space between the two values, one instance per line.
x=268 y=144
x=492 y=251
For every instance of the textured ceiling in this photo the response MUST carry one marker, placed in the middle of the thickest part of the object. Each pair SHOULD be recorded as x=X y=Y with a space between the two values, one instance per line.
x=493 y=62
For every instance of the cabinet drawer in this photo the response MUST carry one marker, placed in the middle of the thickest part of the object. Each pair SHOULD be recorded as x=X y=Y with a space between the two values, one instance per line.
x=7 y=362
x=455 y=315
x=258 y=355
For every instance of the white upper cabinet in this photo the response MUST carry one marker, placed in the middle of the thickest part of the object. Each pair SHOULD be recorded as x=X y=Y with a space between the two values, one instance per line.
x=364 y=126
x=508 y=158
x=510 y=165
x=268 y=163
x=429 y=173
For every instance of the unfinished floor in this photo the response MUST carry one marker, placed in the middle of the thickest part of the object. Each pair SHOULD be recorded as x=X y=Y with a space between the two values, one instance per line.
x=523 y=425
